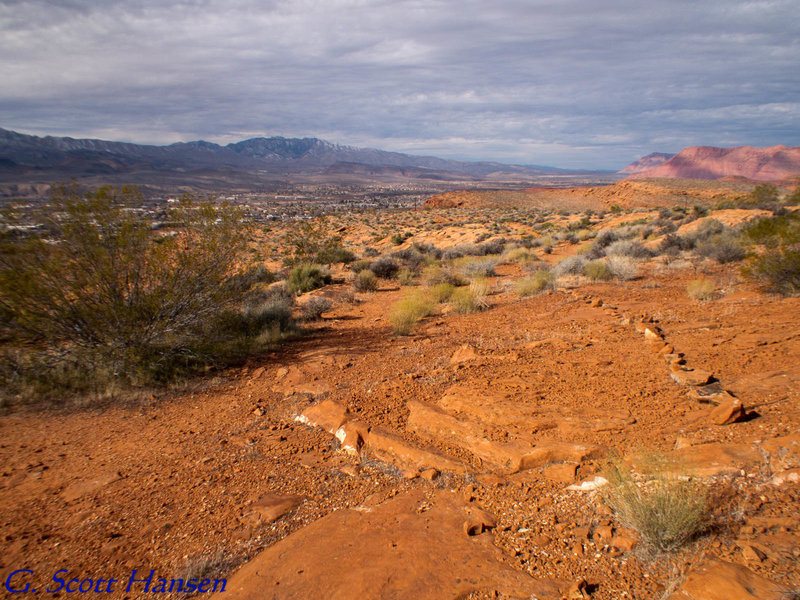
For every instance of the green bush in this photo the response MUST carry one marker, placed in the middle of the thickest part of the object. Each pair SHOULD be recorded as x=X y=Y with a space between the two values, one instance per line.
x=365 y=281
x=305 y=278
x=538 y=282
x=597 y=270
x=94 y=288
x=385 y=267
x=777 y=269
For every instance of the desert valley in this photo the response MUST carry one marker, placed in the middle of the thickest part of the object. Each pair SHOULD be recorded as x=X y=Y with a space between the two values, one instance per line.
x=419 y=380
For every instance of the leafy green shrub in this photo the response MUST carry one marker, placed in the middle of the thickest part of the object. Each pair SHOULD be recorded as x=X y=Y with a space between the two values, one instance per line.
x=778 y=270
x=365 y=281
x=666 y=508
x=96 y=286
x=597 y=270
x=701 y=289
x=463 y=301
x=441 y=292
x=304 y=278
x=538 y=282
x=406 y=313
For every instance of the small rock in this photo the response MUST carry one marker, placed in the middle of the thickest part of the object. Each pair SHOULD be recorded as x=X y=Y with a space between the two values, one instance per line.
x=429 y=474
x=753 y=554
x=693 y=377
x=564 y=472
x=729 y=411
x=478 y=521
x=604 y=533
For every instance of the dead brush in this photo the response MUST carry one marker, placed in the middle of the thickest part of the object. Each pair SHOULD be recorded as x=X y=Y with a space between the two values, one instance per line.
x=666 y=507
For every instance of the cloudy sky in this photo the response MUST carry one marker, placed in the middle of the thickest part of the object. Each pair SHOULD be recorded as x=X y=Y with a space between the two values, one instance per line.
x=571 y=83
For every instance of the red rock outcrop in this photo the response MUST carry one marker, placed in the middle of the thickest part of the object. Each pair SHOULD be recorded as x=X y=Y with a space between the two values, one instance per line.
x=775 y=163
x=651 y=161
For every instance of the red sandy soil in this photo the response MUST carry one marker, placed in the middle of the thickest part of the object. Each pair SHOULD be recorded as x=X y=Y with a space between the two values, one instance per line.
x=470 y=498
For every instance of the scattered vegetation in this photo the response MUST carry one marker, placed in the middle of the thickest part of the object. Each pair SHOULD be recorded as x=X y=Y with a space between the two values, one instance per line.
x=314 y=307
x=597 y=270
x=464 y=301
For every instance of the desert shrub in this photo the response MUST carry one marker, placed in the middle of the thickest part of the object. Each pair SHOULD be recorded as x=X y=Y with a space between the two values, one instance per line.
x=622 y=267
x=584 y=235
x=304 y=278
x=481 y=287
x=706 y=229
x=385 y=267
x=673 y=244
x=427 y=249
x=538 y=282
x=572 y=265
x=781 y=230
x=370 y=252
x=406 y=313
x=666 y=508
x=479 y=268
x=701 y=289
x=723 y=248
x=778 y=270
x=94 y=285
x=406 y=276
x=517 y=255
x=606 y=237
x=268 y=310
x=464 y=301
x=314 y=307
x=399 y=238
x=764 y=193
x=365 y=281
x=434 y=274
x=597 y=270
x=410 y=257
x=628 y=248
x=312 y=242
x=360 y=265
x=793 y=199
x=441 y=292
x=495 y=246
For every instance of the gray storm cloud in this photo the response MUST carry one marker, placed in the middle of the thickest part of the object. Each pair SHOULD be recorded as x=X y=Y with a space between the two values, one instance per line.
x=572 y=83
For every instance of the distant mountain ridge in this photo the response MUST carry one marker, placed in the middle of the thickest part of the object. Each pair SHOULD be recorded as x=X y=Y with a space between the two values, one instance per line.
x=24 y=153
x=773 y=163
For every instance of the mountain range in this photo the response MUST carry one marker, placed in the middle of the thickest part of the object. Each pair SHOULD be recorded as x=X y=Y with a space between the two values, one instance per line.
x=270 y=158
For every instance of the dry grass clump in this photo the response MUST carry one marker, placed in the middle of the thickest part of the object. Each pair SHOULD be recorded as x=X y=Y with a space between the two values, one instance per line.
x=464 y=301
x=597 y=270
x=314 y=307
x=538 y=282
x=406 y=276
x=572 y=265
x=441 y=292
x=481 y=287
x=407 y=312
x=701 y=289
x=664 y=506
